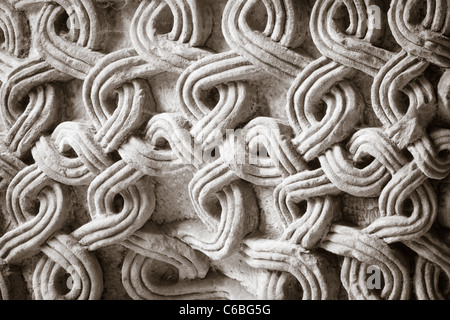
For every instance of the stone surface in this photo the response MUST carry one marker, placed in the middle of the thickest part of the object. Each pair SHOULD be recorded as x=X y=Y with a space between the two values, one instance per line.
x=210 y=149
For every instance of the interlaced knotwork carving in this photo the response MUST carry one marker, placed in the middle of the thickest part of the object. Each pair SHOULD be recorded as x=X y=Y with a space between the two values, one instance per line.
x=351 y=179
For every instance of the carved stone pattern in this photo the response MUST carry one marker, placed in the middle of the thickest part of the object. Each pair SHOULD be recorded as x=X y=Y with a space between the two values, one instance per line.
x=356 y=137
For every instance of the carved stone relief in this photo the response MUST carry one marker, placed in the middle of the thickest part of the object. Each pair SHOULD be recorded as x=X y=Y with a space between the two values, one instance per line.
x=237 y=149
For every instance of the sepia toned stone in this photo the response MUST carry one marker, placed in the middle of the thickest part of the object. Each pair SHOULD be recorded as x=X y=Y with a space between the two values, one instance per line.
x=224 y=149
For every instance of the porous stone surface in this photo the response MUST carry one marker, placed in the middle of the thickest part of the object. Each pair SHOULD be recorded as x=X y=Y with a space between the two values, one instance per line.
x=237 y=149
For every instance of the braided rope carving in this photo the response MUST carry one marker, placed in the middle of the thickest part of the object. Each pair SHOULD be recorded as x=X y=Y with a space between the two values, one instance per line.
x=335 y=187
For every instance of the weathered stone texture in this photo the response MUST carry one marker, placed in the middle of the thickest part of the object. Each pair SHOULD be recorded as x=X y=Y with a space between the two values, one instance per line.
x=209 y=149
